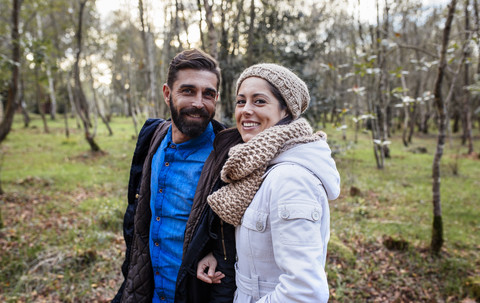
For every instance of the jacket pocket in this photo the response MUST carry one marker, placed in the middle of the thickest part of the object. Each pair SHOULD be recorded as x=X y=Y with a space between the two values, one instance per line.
x=300 y=223
x=255 y=220
x=255 y=238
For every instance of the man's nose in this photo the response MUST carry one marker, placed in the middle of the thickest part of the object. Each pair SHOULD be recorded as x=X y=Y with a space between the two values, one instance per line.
x=197 y=102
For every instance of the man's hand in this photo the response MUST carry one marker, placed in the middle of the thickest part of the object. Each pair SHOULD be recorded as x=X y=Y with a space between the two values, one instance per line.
x=210 y=277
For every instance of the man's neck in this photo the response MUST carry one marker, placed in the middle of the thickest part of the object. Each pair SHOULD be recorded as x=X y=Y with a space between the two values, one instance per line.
x=177 y=136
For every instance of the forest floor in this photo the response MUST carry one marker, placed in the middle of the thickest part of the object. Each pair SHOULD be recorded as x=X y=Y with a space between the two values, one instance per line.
x=61 y=218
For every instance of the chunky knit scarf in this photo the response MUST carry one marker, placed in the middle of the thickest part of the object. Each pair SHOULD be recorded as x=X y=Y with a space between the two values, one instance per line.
x=247 y=163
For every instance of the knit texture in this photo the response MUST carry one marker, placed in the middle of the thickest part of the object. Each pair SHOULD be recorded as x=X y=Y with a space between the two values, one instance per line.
x=247 y=163
x=292 y=88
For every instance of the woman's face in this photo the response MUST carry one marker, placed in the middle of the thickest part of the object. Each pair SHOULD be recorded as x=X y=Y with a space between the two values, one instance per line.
x=256 y=108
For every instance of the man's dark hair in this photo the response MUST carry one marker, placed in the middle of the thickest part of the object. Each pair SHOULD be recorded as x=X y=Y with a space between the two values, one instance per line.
x=193 y=59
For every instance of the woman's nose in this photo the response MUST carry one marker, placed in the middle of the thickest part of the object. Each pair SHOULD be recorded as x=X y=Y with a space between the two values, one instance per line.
x=247 y=109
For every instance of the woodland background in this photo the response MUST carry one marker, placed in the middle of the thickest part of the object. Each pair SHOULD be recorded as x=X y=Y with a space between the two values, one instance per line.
x=397 y=93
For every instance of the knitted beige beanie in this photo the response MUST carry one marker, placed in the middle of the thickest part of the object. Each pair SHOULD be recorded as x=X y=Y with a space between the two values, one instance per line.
x=292 y=88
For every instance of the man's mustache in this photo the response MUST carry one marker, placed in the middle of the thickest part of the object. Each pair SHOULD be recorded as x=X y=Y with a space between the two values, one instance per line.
x=202 y=112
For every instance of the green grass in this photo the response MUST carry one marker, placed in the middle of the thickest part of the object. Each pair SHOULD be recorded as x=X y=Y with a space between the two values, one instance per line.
x=63 y=210
x=397 y=202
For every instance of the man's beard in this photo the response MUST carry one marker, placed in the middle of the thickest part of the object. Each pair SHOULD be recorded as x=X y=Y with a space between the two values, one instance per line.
x=191 y=129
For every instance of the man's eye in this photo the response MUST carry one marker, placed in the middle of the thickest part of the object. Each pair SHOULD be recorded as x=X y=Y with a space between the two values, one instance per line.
x=187 y=91
x=210 y=94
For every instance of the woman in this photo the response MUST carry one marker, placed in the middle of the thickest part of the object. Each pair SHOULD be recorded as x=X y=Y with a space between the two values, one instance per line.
x=278 y=183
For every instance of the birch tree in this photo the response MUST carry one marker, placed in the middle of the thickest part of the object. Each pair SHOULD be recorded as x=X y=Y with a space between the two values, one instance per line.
x=441 y=109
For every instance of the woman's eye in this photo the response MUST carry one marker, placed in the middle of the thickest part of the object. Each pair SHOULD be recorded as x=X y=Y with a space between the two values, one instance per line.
x=260 y=101
x=240 y=102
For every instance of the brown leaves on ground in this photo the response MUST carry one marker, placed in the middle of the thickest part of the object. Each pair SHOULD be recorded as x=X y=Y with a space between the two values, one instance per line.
x=396 y=276
x=58 y=271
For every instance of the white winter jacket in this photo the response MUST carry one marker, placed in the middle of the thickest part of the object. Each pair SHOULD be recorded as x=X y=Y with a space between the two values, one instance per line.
x=282 y=241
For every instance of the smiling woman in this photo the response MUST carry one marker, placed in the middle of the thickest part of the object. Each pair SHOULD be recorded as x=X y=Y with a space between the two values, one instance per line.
x=257 y=107
x=275 y=190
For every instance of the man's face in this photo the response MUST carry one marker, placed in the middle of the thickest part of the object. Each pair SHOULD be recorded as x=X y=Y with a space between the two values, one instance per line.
x=191 y=100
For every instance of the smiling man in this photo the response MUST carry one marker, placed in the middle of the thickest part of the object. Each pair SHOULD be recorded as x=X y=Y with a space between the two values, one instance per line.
x=161 y=218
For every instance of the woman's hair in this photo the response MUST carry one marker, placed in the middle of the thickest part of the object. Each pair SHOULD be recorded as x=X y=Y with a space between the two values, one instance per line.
x=283 y=104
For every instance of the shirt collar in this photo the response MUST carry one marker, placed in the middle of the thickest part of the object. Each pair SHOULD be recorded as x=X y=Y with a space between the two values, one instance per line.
x=193 y=144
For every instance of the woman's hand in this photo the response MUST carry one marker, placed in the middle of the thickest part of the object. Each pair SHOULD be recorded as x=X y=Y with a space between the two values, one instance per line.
x=210 y=277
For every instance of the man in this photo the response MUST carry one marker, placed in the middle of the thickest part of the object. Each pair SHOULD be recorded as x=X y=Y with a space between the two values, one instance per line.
x=164 y=235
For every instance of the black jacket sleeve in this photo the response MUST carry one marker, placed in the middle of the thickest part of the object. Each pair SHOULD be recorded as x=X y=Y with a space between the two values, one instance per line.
x=223 y=247
x=139 y=155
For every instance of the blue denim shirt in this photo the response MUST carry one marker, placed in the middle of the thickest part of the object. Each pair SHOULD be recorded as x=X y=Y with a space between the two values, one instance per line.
x=176 y=170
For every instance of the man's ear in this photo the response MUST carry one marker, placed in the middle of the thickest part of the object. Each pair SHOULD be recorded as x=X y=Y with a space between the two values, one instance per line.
x=166 y=94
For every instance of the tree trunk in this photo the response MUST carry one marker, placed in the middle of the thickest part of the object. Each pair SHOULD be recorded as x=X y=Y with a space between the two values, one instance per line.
x=65 y=119
x=466 y=108
x=149 y=51
x=235 y=38
x=180 y=8
x=78 y=95
x=9 y=110
x=72 y=101
x=97 y=106
x=200 y=22
x=251 y=32
x=51 y=86
x=419 y=89
x=440 y=106
x=212 y=33
x=384 y=86
x=22 y=104
x=38 y=97
x=406 y=109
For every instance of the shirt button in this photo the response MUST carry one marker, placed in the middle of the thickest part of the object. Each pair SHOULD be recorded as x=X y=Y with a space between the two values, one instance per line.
x=284 y=214
x=157 y=218
x=259 y=226
x=136 y=196
x=173 y=146
x=160 y=190
x=157 y=273
x=315 y=215
x=167 y=164
x=156 y=244
x=162 y=298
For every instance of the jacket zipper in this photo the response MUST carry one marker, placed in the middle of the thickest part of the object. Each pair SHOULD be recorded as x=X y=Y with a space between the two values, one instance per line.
x=223 y=241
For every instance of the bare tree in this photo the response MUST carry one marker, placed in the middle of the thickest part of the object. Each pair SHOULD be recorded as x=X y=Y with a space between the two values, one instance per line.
x=251 y=32
x=81 y=104
x=212 y=33
x=441 y=108
x=51 y=86
x=200 y=22
x=39 y=97
x=467 y=112
x=6 y=123
x=96 y=102
x=149 y=47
